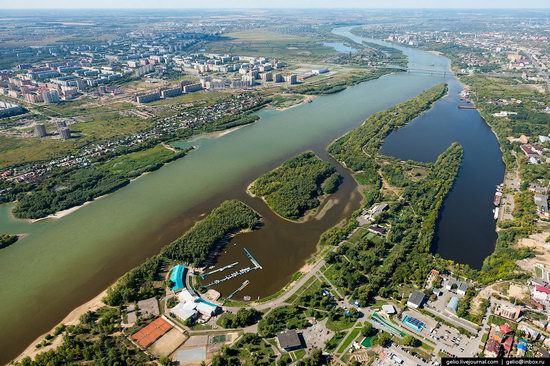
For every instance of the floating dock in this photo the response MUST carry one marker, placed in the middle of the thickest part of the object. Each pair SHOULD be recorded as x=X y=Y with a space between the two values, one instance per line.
x=236 y=273
x=252 y=259
x=203 y=276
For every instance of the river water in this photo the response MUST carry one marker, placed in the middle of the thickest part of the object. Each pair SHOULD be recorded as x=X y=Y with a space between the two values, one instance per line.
x=62 y=263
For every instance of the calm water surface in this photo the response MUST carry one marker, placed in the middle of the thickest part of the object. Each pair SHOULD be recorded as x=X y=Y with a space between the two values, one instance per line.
x=63 y=263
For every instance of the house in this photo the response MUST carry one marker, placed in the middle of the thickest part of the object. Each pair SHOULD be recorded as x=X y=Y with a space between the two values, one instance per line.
x=506 y=329
x=493 y=348
x=541 y=293
x=461 y=289
x=416 y=300
x=290 y=340
x=379 y=230
x=191 y=307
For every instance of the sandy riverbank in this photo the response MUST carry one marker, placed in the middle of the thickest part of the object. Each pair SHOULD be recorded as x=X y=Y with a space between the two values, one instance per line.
x=66 y=212
x=71 y=319
x=307 y=99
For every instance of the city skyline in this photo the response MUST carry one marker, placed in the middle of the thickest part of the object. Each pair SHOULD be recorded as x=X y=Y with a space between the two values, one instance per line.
x=240 y=4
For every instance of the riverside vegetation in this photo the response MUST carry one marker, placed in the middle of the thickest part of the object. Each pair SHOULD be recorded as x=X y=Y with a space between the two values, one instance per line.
x=295 y=187
x=72 y=187
x=6 y=240
x=195 y=247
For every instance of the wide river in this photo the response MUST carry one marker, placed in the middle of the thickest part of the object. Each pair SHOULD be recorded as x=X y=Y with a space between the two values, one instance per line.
x=63 y=263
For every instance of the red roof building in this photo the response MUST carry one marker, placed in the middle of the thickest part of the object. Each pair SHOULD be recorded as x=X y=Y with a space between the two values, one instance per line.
x=505 y=329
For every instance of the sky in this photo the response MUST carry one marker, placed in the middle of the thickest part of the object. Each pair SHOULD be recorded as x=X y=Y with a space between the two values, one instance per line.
x=218 y=4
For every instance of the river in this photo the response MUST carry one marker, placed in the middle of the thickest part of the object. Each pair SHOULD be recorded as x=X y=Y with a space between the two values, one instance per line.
x=63 y=263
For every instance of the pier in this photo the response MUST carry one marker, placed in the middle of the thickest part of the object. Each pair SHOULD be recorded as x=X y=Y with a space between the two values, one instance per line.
x=203 y=276
x=236 y=273
x=252 y=259
x=244 y=284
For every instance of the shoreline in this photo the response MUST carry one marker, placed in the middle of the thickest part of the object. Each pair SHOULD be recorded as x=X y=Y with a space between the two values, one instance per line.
x=71 y=318
x=68 y=211
x=306 y=100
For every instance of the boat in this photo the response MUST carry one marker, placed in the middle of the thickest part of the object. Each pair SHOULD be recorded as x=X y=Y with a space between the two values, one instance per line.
x=495 y=211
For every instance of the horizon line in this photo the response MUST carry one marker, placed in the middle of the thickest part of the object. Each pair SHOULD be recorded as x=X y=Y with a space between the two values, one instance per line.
x=282 y=8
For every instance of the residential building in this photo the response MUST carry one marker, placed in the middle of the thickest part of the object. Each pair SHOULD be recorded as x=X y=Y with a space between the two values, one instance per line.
x=40 y=130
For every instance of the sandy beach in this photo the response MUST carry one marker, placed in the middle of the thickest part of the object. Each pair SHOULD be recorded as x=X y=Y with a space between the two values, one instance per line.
x=68 y=211
x=71 y=319
x=307 y=99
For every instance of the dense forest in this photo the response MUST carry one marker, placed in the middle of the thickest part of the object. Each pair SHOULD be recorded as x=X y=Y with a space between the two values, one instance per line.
x=197 y=244
x=294 y=187
x=67 y=190
x=195 y=247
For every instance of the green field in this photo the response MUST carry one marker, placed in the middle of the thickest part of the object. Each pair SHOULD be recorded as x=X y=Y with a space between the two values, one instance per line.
x=255 y=42
x=138 y=161
x=15 y=150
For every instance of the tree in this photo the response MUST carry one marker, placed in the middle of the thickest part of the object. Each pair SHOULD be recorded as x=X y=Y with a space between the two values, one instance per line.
x=411 y=341
x=284 y=360
x=383 y=339
x=368 y=330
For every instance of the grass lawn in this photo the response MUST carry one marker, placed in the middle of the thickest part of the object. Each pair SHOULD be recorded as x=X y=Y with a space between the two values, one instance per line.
x=352 y=335
x=335 y=341
x=138 y=160
x=313 y=282
x=342 y=324
x=298 y=355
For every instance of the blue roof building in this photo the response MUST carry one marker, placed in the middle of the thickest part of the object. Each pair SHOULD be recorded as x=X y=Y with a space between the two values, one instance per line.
x=177 y=277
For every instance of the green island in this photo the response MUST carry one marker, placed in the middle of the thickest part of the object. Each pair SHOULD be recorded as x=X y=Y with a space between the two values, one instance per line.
x=196 y=246
x=294 y=187
x=6 y=240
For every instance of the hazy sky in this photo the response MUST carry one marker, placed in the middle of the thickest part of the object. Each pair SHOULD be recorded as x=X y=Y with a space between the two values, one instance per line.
x=59 y=4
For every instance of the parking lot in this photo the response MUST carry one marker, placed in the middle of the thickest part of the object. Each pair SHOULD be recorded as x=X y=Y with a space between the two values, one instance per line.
x=446 y=338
